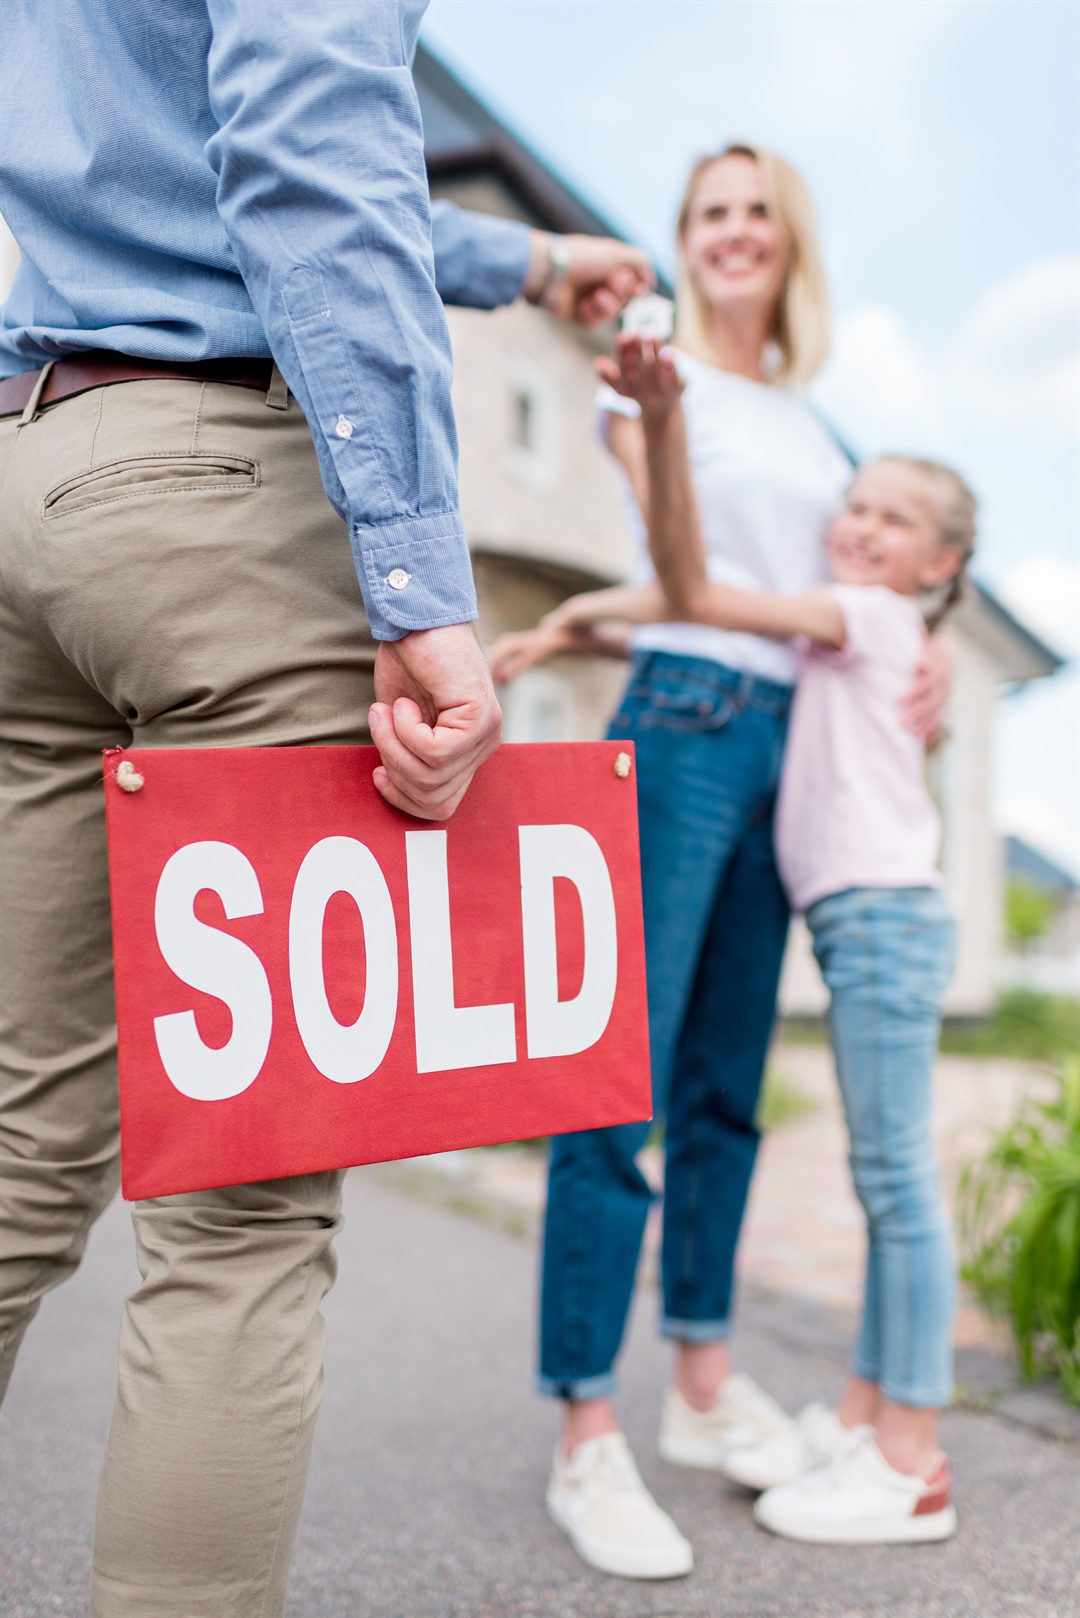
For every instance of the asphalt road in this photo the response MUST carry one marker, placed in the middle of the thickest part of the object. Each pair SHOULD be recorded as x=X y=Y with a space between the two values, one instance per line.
x=425 y=1494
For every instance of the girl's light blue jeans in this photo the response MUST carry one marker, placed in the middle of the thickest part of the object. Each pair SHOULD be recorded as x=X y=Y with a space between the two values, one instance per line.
x=886 y=955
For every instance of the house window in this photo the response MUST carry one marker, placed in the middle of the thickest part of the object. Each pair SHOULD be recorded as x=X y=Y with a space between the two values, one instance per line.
x=538 y=707
x=531 y=426
x=524 y=423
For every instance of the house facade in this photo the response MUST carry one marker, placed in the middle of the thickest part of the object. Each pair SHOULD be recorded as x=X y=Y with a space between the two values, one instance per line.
x=545 y=517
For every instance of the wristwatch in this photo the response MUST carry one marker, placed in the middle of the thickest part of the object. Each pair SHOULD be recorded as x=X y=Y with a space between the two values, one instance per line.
x=558 y=268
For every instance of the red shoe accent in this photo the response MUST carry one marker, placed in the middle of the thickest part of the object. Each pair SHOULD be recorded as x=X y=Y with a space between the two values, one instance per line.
x=938 y=1491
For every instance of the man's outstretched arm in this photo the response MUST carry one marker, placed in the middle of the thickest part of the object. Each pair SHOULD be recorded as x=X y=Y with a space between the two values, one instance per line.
x=483 y=262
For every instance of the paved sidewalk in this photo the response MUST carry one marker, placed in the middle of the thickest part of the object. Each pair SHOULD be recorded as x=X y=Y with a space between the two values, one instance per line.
x=804 y=1233
x=432 y=1453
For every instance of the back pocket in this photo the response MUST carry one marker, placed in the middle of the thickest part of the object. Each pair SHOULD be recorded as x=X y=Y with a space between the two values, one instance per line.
x=199 y=472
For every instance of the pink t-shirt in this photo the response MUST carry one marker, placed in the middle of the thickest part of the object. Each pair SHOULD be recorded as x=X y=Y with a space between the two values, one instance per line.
x=854 y=810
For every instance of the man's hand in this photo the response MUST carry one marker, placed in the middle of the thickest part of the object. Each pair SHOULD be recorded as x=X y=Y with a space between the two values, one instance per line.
x=435 y=719
x=600 y=279
x=644 y=370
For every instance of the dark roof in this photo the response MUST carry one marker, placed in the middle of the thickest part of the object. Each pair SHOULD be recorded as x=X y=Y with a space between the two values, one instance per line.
x=1024 y=861
x=1039 y=650
x=463 y=139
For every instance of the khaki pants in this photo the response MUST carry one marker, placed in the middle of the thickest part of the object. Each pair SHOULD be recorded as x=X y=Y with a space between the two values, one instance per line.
x=173 y=576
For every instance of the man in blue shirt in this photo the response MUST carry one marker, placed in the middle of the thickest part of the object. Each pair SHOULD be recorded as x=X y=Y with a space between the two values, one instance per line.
x=227 y=310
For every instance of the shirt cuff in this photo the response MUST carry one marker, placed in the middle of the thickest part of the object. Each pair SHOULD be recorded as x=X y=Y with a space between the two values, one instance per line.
x=505 y=260
x=481 y=261
x=414 y=574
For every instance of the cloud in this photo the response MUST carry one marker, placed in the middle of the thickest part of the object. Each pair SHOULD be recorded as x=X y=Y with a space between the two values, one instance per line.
x=1016 y=360
x=1014 y=363
x=840 y=51
x=607 y=110
x=1036 y=822
x=880 y=387
x=1044 y=591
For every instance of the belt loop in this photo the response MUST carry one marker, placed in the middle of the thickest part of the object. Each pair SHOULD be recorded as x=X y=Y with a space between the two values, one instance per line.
x=34 y=400
x=277 y=394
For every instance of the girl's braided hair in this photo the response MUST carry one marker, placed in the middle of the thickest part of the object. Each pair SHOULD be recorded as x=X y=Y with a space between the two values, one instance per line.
x=958 y=508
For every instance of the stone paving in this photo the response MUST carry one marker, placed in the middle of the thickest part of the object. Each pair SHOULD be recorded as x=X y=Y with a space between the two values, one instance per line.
x=804 y=1233
x=426 y=1492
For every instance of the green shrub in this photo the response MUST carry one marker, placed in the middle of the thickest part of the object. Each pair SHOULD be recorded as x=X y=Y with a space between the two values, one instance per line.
x=1029 y=910
x=1020 y=1227
x=1024 y=1023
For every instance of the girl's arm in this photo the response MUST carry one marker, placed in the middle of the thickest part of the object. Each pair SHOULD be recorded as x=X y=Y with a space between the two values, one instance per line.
x=815 y=614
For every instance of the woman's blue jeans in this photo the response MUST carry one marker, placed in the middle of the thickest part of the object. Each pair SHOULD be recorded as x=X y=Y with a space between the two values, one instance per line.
x=708 y=743
x=887 y=955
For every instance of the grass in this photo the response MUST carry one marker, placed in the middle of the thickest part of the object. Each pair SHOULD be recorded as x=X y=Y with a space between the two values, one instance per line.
x=781 y=1102
x=1035 y=1027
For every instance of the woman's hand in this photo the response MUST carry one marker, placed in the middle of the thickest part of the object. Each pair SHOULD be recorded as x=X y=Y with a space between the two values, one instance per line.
x=923 y=706
x=643 y=370
x=519 y=650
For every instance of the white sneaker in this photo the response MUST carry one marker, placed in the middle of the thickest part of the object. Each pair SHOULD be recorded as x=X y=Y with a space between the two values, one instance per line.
x=813 y=1439
x=859 y=1499
x=598 y=1500
x=743 y=1415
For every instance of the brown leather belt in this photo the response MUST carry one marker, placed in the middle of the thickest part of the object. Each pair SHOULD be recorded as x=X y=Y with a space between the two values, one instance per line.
x=100 y=369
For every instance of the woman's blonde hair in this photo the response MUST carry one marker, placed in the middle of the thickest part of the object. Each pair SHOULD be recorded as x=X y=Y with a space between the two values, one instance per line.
x=958 y=513
x=801 y=325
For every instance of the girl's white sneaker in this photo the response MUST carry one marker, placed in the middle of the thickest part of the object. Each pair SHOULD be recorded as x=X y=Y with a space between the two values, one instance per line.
x=742 y=1417
x=598 y=1500
x=813 y=1439
x=859 y=1499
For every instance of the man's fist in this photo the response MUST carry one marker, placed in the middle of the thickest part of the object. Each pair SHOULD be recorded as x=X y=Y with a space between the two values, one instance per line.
x=435 y=719
x=600 y=278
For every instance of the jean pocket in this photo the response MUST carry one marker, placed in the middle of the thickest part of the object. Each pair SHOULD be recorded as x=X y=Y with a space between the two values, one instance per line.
x=183 y=472
x=692 y=709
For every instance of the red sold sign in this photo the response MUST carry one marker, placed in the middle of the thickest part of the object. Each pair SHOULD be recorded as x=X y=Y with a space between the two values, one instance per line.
x=307 y=979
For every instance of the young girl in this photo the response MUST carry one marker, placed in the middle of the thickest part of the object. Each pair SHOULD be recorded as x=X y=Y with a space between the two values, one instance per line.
x=857 y=840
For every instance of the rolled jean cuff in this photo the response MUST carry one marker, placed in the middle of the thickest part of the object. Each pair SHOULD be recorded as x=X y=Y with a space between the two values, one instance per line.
x=586 y=1387
x=694 y=1331
x=866 y=1372
x=924 y=1397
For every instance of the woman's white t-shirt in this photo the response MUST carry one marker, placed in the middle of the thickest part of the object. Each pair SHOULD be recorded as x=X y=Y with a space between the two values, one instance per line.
x=769 y=478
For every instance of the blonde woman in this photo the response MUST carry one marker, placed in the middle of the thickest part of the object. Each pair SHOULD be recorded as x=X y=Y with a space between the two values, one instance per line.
x=707 y=709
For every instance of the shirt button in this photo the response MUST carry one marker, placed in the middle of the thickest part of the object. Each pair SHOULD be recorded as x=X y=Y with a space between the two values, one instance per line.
x=398 y=578
x=344 y=427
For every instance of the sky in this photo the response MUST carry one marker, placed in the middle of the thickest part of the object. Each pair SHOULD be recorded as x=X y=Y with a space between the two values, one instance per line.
x=941 y=145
